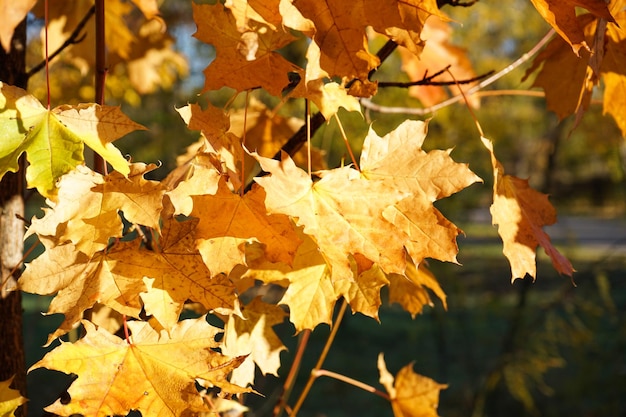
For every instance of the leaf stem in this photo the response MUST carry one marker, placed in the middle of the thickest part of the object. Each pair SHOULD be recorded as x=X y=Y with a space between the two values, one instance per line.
x=345 y=140
x=47 y=60
x=351 y=381
x=320 y=360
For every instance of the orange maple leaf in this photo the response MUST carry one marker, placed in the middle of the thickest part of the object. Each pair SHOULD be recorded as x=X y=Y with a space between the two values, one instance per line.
x=155 y=373
x=561 y=14
x=438 y=53
x=246 y=57
x=228 y=221
x=521 y=213
x=411 y=394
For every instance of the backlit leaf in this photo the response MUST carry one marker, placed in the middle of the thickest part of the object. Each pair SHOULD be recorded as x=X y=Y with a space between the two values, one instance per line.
x=154 y=373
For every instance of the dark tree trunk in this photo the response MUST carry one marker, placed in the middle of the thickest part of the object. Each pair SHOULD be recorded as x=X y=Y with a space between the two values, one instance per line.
x=12 y=361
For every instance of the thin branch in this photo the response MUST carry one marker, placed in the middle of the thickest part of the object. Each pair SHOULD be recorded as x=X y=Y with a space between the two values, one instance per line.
x=432 y=109
x=321 y=359
x=74 y=38
x=351 y=381
x=293 y=372
x=429 y=80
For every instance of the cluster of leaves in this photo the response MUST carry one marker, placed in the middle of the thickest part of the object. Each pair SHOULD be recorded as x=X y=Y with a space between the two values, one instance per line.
x=146 y=249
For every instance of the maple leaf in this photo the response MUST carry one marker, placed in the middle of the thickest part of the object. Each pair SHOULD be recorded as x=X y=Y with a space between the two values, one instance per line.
x=228 y=221
x=568 y=92
x=155 y=373
x=254 y=337
x=340 y=35
x=214 y=124
x=10 y=399
x=310 y=295
x=521 y=213
x=11 y=14
x=613 y=73
x=399 y=159
x=54 y=139
x=561 y=15
x=412 y=395
x=174 y=273
x=363 y=290
x=409 y=290
x=342 y=212
x=87 y=211
x=80 y=281
x=245 y=58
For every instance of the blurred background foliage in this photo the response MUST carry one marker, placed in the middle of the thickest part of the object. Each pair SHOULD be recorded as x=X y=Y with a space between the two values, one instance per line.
x=547 y=348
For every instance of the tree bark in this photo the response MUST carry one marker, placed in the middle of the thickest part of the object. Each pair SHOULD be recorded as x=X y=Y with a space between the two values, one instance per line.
x=12 y=358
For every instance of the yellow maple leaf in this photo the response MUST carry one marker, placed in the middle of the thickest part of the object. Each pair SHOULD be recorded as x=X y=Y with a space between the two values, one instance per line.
x=155 y=373
x=613 y=75
x=412 y=395
x=521 y=213
x=398 y=158
x=310 y=295
x=174 y=273
x=217 y=142
x=410 y=290
x=362 y=291
x=87 y=211
x=80 y=281
x=246 y=58
x=341 y=211
x=10 y=399
x=228 y=221
x=252 y=335
x=561 y=14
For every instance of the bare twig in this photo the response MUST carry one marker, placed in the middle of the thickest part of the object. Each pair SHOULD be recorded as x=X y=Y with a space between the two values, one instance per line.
x=429 y=80
x=428 y=110
x=75 y=37
x=323 y=372
x=321 y=359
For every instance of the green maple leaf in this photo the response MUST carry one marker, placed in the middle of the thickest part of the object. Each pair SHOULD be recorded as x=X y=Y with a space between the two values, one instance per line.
x=54 y=140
